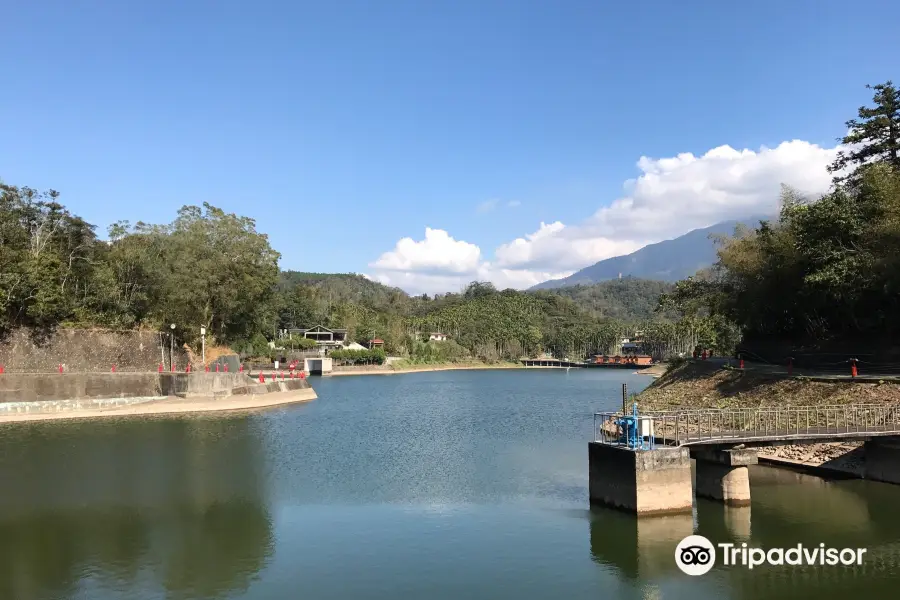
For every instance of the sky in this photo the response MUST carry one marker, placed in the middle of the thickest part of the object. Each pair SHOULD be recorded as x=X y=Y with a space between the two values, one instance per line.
x=429 y=144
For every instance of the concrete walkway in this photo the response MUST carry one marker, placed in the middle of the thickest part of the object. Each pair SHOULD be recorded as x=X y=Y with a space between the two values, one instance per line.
x=177 y=406
x=866 y=373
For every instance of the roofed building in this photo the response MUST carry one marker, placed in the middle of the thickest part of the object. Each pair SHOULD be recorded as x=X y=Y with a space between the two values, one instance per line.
x=323 y=336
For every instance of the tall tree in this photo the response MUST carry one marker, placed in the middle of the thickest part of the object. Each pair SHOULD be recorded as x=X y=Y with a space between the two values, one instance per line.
x=873 y=137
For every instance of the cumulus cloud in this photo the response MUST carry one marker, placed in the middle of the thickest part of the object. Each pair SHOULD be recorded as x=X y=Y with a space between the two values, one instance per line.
x=437 y=254
x=440 y=263
x=668 y=198
x=672 y=196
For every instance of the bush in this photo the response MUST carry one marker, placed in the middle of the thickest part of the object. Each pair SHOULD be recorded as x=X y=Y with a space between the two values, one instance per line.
x=301 y=343
x=374 y=356
x=437 y=352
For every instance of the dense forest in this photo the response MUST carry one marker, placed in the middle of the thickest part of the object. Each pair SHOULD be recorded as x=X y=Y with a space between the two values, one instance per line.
x=828 y=269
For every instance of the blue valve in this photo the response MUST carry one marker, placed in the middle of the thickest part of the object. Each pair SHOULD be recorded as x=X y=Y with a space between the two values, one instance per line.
x=629 y=425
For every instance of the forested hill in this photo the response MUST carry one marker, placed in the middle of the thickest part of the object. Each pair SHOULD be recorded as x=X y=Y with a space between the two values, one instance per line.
x=627 y=299
x=346 y=287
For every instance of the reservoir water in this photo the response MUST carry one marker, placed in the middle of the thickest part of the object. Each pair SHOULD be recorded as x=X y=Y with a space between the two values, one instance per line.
x=455 y=484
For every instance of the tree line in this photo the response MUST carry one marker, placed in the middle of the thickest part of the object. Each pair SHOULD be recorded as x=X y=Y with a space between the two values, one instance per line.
x=205 y=268
x=213 y=269
x=828 y=268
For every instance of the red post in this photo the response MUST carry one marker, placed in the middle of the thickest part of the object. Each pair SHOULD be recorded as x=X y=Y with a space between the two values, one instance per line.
x=742 y=363
x=217 y=367
x=853 y=371
x=173 y=367
x=790 y=366
x=262 y=378
x=241 y=368
x=207 y=368
x=160 y=367
x=703 y=354
x=1 y=369
x=187 y=369
x=225 y=367
x=302 y=375
x=60 y=369
x=273 y=375
x=114 y=368
x=292 y=373
x=282 y=375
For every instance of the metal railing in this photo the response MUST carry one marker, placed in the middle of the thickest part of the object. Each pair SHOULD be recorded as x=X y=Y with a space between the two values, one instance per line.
x=707 y=426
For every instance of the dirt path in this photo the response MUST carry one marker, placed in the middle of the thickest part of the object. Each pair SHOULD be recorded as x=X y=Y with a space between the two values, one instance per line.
x=179 y=406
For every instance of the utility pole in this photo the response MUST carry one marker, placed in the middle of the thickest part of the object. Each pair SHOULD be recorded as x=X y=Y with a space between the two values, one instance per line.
x=203 y=343
x=172 y=347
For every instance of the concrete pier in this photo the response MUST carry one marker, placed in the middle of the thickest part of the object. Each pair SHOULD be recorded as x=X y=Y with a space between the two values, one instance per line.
x=722 y=474
x=650 y=482
x=883 y=459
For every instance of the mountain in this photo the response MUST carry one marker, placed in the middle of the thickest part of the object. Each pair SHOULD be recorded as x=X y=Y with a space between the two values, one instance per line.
x=626 y=299
x=670 y=260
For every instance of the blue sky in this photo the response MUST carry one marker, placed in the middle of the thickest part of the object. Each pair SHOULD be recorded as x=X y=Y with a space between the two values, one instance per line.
x=343 y=127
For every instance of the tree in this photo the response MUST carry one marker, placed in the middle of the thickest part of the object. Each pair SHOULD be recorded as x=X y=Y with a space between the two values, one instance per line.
x=873 y=137
x=221 y=273
x=45 y=258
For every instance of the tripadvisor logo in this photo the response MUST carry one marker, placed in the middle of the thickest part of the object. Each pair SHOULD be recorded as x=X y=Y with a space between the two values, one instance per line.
x=696 y=555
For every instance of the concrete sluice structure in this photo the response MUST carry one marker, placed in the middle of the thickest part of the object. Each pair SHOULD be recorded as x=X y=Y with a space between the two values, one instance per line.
x=641 y=463
x=660 y=481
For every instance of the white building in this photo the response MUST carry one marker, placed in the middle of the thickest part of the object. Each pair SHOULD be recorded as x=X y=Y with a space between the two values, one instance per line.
x=437 y=337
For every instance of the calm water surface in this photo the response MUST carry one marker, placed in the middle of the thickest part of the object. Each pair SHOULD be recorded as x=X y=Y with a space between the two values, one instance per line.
x=461 y=484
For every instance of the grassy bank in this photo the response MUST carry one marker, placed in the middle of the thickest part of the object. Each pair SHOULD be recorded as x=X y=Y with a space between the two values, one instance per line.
x=705 y=385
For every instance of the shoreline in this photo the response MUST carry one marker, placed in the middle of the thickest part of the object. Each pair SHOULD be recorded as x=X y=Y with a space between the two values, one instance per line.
x=826 y=459
x=177 y=406
x=426 y=369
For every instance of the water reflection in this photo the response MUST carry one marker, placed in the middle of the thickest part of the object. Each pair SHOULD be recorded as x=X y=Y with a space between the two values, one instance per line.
x=637 y=548
x=787 y=509
x=105 y=505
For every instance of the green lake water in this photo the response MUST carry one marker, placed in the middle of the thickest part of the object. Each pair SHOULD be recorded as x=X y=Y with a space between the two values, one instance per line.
x=455 y=484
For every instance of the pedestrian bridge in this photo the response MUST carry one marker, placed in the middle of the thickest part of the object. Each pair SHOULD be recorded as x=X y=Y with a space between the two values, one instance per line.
x=754 y=426
x=641 y=462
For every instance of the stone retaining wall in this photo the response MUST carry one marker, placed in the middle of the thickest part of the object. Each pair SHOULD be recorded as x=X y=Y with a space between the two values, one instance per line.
x=87 y=351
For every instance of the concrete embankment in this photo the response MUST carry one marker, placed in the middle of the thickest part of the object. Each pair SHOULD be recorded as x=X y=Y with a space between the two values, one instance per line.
x=35 y=396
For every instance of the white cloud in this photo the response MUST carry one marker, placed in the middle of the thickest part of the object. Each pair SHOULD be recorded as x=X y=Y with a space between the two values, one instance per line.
x=513 y=204
x=437 y=254
x=673 y=196
x=440 y=263
x=670 y=197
